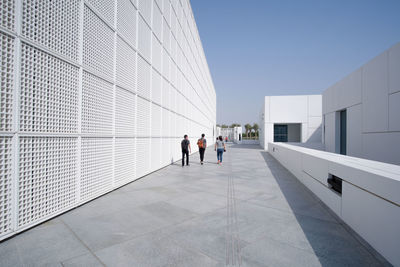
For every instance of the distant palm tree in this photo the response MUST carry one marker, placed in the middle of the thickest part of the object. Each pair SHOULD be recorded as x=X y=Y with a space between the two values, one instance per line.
x=255 y=128
x=224 y=126
x=248 y=129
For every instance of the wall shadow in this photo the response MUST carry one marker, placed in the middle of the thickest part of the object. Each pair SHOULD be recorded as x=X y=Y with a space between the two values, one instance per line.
x=325 y=235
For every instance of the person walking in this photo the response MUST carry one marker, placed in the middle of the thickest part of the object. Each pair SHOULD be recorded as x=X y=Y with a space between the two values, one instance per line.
x=185 y=145
x=202 y=144
x=220 y=148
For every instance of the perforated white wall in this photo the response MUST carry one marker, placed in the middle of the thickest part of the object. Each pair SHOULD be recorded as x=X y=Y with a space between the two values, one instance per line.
x=94 y=94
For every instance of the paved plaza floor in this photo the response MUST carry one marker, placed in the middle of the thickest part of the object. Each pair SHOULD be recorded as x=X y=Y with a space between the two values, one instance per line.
x=250 y=211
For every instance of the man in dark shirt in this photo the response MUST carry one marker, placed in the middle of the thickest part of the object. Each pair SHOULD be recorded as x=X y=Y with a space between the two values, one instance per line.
x=185 y=145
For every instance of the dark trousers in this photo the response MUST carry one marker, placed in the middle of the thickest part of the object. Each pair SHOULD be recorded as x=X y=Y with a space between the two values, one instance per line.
x=201 y=151
x=185 y=152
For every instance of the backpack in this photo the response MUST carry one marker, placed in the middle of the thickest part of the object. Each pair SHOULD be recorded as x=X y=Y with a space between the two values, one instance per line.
x=200 y=143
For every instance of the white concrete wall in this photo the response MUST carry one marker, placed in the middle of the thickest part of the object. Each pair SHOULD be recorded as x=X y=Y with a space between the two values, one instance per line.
x=94 y=94
x=370 y=199
x=305 y=110
x=371 y=95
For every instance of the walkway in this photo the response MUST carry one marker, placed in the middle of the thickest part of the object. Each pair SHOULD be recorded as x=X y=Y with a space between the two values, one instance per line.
x=248 y=212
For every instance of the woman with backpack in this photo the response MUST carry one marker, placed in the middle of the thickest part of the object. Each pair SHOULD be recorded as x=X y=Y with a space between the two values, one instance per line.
x=202 y=144
x=220 y=148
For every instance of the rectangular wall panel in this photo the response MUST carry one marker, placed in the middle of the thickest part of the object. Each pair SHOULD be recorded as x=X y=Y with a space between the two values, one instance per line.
x=126 y=65
x=47 y=177
x=97 y=101
x=98 y=44
x=47 y=22
x=126 y=21
x=125 y=113
x=144 y=78
x=143 y=121
x=49 y=93
x=7 y=48
x=5 y=184
x=96 y=172
x=125 y=160
x=143 y=156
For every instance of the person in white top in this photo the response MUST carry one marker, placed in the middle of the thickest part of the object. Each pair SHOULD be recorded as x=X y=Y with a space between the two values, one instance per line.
x=220 y=148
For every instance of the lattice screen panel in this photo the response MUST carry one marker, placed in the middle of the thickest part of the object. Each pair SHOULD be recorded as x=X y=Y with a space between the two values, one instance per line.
x=165 y=124
x=105 y=8
x=156 y=153
x=143 y=156
x=98 y=44
x=125 y=113
x=144 y=41
x=166 y=62
x=156 y=91
x=7 y=14
x=159 y=3
x=166 y=38
x=165 y=94
x=157 y=54
x=96 y=167
x=156 y=120
x=126 y=65
x=6 y=81
x=97 y=104
x=49 y=93
x=47 y=177
x=165 y=151
x=157 y=22
x=126 y=21
x=125 y=160
x=144 y=76
x=47 y=22
x=143 y=120
x=167 y=11
x=145 y=9
x=5 y=184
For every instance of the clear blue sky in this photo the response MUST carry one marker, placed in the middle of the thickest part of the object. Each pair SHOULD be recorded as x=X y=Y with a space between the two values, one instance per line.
x=256 y=48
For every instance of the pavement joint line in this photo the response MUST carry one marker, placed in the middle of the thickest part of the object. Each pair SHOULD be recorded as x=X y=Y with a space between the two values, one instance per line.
x=233 y=255
x=83 y=243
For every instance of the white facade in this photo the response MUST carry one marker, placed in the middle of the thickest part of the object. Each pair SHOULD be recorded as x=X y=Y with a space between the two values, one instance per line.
x=301 y=113
x=371 y=97
x=234 y=134
x=94 y=94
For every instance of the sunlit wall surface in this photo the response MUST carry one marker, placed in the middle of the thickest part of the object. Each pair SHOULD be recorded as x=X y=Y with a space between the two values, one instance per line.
x=94 y=94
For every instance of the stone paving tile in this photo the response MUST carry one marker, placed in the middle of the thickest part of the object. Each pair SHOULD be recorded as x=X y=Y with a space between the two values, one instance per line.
x=110 y=229
x=180 y=217
x=153 y=250
x=86 y=260
x=46 y=245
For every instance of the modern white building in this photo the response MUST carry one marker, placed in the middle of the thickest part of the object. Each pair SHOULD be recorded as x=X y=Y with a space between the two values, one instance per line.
x=295 y=118
x=94 y=94
x=362 y=111
x=358 y=176
x=234 y=134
